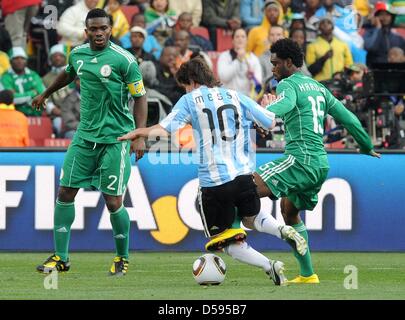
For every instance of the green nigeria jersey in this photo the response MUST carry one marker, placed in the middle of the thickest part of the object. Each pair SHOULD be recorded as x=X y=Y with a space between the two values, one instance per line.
x=303 y=103
x=106 y=79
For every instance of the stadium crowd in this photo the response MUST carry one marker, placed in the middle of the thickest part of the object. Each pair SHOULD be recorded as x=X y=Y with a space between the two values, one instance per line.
x=342 y=41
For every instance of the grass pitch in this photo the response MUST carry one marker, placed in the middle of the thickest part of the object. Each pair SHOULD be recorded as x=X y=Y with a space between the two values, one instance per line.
x=168 y=276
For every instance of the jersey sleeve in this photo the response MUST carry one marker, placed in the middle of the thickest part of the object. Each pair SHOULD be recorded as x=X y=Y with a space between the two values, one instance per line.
x=69 y=67
x=256 y=113
x=340 y=113
x=133 y=78
x=286 y=100
x=178 y=117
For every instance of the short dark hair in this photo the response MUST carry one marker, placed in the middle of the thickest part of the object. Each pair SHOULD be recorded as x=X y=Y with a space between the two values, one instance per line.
x=286 y=48
x=198 y=71
x=6 y=96
x=236 y=30
x=97 y=13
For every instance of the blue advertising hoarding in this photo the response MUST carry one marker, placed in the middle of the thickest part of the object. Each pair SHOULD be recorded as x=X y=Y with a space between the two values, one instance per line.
x=361 y=207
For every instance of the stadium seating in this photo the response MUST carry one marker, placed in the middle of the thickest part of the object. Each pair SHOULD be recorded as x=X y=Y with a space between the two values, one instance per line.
x=129 y=12
x=39 y=129
x=201 y=31
x=224 y=39
x=57 y=142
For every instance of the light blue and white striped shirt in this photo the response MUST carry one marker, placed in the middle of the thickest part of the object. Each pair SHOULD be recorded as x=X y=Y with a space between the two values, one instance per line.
x=222 y=120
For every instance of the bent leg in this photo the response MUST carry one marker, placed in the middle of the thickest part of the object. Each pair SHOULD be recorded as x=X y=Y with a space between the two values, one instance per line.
x=263 y=221
x=291 y=217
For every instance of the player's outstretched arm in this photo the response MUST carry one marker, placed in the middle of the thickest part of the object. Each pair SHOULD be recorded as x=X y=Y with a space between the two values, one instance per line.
x=62 y=80
x=353 y=126
x=151 y=132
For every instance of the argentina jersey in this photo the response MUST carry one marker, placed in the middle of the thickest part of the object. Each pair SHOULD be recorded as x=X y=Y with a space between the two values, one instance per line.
x=222 y=121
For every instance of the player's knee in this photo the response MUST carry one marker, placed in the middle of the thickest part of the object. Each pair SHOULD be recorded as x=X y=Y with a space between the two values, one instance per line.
x=262 y=189
x=67 y=194
x=113 y=203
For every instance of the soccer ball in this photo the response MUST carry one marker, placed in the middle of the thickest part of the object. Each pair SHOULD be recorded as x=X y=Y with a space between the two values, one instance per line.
x=209 y=269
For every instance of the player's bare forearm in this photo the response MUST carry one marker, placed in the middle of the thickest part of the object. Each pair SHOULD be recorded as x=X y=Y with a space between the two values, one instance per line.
x=140 y=111
x=151 y=132
x=62 y=80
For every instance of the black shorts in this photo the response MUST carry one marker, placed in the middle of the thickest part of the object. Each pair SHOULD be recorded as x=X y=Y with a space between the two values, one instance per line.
x=217 y=204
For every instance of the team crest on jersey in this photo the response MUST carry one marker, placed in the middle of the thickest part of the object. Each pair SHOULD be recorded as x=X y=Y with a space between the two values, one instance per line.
x=105 y=70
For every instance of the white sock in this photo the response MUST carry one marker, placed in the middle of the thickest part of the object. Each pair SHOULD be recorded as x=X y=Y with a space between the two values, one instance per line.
x=265 y=222
x=243 y=252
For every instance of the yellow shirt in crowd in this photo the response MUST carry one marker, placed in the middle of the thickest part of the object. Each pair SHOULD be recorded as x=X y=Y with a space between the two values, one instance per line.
x=4 y=62
x=341 y=58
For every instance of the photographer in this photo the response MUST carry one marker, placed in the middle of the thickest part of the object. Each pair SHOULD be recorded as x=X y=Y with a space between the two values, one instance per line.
x=380 y=38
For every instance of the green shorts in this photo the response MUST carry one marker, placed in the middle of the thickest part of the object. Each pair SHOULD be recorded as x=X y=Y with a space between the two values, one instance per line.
x=288 y=177
x=105 y=167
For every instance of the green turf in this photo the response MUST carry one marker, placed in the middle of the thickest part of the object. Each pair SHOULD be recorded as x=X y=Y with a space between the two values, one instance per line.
x=168 y=276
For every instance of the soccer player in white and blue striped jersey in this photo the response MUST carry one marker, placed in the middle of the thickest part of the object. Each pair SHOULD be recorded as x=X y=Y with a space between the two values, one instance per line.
x=222 y=122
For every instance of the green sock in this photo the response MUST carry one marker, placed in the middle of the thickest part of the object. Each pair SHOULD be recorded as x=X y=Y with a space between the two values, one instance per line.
x=305 y=261
x=236 y=222
x=63 y=218
x=120 y=223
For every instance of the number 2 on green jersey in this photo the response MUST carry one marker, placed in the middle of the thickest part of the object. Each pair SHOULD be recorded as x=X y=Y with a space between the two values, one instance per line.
x=317 y=113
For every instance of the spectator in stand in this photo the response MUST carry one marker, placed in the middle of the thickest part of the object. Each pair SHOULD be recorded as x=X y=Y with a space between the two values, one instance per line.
x=257 y=39
x=299 y=36
x=185 y=22
x=4 y=63
x=362 y=7
x=311 y=21
x=165 y=70
x=150 y=81
x=220 y=14
x=396 y=55
x=240 y=70
x=327 y=55
x=355 y=74
x=297 y=21
x=120 y=25
x=251 y=13
x=346 y=27
x=150 y=45
x=276 y=33
x=138 y=36
x=24 y=82
x=398 y=8
x=17 y=20
x=297 y=6
x=287 y=12
x=160 y=20
x=380 y=38
x=71 y=23
x=57 y=57
x=194 y=7
x=13 y=123
x=141 y=4
x=5 y=40
x=182 y=42
x=70 y=111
